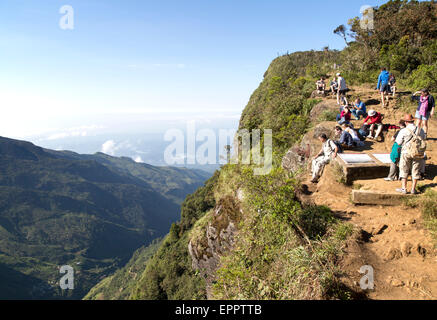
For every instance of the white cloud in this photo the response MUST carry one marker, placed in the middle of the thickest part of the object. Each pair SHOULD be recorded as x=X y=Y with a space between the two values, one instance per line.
x=138 y=159
x=62 y=135
x=109 y=147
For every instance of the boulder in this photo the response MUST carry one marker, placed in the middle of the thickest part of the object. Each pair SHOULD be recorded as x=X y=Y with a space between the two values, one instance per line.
x=298 y=156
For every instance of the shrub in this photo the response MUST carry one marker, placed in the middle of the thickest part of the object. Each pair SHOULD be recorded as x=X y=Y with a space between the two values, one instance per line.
x=424 y=77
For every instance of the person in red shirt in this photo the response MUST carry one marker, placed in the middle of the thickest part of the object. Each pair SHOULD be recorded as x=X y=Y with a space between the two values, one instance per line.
x=374 y=119
x=345 y=116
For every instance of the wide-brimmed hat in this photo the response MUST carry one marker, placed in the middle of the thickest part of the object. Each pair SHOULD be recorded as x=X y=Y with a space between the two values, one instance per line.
x=339 y=74
x=372 y=113
x=408 y=118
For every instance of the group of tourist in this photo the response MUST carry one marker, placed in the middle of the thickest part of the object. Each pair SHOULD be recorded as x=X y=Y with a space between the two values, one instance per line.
x=372 y=126
x=408 y=154
x=337 y=87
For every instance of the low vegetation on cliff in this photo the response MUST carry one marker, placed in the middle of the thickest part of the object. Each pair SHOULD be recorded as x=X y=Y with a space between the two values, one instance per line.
x=284 y=249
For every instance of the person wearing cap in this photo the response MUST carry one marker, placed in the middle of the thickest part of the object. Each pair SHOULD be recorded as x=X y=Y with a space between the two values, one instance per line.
x=342 y=89
x=425 y=108
x=407 y=164
x=374 y=119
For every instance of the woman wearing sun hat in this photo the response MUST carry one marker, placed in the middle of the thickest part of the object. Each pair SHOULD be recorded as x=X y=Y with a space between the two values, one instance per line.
x=408 y=165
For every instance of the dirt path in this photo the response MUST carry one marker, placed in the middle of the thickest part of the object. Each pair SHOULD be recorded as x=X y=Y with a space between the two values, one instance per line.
x=392 y=240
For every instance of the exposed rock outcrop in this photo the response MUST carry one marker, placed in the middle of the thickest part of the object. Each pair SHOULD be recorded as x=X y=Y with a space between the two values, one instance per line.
x=298 y=156
x=209 y=243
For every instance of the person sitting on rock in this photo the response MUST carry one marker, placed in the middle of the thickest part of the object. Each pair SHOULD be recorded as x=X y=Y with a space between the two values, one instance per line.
x=374 y=119
x=345 y=115
x=329 y=151
x=321 y=86
x=356 y=139
x=359 y=109
x=334 y=86
x=395 y=156
x=408 y=164
x=346 y=141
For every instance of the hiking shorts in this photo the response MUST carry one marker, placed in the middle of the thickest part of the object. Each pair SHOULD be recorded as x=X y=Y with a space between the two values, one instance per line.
x=418 y=116
x=385 y=88
x=407 y=165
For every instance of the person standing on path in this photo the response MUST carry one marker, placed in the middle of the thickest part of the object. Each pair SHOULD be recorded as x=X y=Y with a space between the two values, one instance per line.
x=395 y=156
x=342 y=89
x=383 y=85
x=407 y=163
x=425 y=109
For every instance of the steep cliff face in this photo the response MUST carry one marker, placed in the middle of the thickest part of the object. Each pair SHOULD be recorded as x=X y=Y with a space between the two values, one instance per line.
x=246 y=239
x=213 y=236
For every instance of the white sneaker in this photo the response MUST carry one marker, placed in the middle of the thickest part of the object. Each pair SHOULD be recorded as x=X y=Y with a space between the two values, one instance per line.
x=404 y=191
x=369 y=136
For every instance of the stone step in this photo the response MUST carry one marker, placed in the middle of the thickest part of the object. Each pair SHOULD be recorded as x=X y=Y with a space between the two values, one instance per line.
x=379 y=198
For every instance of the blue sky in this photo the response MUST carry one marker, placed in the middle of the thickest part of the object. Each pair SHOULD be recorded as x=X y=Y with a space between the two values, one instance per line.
x=130 y=60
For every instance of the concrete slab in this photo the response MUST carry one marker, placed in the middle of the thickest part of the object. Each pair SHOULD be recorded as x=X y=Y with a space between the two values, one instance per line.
x=353 y=169
x=379 y=198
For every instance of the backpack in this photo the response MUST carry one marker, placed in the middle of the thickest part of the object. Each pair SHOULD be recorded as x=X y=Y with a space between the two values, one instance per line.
x=415 y=148
x=339 y=146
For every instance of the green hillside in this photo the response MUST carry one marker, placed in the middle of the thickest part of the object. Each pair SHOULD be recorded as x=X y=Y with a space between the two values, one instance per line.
x=283 y=248
x=90 y=212
x=119 y=286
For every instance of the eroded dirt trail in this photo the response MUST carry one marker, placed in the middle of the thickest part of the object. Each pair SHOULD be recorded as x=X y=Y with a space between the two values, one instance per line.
x=393 y=240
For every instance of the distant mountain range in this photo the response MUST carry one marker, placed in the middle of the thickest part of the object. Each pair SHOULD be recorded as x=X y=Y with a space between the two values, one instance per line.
x=88 y=211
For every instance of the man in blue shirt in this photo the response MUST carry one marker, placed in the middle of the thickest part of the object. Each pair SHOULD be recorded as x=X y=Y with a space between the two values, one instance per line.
x=383 y=85
x=359 y=109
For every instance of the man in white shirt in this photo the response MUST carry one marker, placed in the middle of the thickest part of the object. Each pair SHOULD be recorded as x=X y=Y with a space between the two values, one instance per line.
x=329 y=150
x=342 y=89
x=407 y=164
